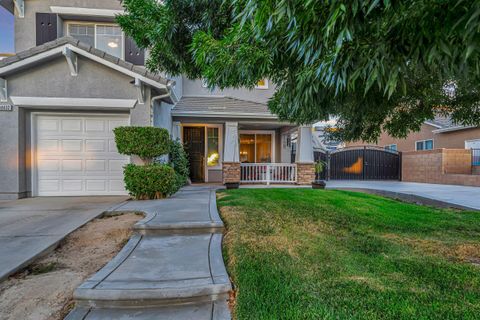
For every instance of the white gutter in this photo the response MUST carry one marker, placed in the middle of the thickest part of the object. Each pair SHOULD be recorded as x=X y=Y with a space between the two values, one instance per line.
x=456 y=128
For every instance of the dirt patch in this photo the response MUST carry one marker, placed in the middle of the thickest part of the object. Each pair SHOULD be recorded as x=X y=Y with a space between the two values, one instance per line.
x=465 y=252
x=45 y=289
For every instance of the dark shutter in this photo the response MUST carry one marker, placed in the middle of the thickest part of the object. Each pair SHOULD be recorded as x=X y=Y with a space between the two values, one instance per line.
x=46 y=24
x=134 y=54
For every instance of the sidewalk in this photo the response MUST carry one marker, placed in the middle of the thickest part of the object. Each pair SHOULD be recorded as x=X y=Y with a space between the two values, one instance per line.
x=172 y=268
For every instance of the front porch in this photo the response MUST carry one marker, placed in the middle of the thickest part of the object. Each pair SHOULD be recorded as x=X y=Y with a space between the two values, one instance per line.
x=247 y=152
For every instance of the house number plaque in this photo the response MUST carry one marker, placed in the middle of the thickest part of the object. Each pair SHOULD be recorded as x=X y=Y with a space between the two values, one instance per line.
x=6 y=107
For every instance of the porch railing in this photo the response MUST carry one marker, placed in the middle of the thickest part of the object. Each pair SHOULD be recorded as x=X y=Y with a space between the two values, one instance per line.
x=475 y=157
x=268 y=173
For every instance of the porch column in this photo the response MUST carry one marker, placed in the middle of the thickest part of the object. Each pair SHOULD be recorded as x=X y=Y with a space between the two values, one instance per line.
x=176 y=132
x=304 y=156
x=231 y=155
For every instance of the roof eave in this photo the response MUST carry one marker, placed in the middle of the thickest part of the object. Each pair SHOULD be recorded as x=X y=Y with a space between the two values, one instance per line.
x=451 y=129
x=223 y=115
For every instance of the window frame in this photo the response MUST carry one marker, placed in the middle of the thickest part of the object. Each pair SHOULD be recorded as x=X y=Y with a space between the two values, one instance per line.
x=424 y=144
x=389 y=147
x=95 y=25
x=255 y=132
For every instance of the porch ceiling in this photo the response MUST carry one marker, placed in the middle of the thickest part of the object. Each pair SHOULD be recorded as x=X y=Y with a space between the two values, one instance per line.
x=263 y=125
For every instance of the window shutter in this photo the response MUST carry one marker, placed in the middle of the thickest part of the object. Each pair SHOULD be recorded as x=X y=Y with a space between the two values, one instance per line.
x=46 y=27
x=134 y=54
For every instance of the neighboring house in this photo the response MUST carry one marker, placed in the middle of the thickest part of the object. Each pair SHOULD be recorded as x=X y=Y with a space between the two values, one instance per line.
x=436 y=134
x=76 y=76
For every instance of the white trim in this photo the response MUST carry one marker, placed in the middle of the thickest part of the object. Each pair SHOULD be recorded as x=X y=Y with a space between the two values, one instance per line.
x=456 y=128
x=74 y=102
x=59 y=50
x=201 y=114
x=255 y=132
x=33 y=138
x=433 y=144
x=77 y=11
x=117 y=67
x=470 y=140
x=32 y=59
x=3 y=90
x=433 y=124
x=20 y=7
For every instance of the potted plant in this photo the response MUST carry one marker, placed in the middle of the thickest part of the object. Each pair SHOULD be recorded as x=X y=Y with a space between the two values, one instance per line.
x=319 y=184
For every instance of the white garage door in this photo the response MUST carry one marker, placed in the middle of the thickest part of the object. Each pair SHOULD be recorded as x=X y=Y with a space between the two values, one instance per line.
x=77 y=155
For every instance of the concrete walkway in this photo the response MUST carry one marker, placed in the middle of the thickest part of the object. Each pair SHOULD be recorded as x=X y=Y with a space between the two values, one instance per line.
x=30 y=228
x=172 y=268
x=456 y=196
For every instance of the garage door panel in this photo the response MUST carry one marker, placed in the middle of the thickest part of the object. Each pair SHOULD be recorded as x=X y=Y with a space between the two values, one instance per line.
x=72 y=162
x=95 y=145
x=96 y=165
x=72 y=125
x=48 y=145
x=69 y=145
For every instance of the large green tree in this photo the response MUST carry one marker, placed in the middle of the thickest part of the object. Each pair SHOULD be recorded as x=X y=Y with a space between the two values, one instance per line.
x=373 y=64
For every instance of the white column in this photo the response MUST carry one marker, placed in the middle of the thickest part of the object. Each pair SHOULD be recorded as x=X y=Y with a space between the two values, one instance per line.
x=231 y=150
x=176 y=132
x=304 y=145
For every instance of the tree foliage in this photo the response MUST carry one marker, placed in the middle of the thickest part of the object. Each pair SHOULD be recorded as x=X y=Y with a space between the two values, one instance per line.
x=373 y=64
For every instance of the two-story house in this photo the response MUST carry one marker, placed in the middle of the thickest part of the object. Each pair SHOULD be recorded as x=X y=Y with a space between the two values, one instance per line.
x=75 y=76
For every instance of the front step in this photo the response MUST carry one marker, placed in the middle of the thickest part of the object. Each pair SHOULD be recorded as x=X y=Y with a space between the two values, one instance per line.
x=159 y=270
x=217 y=310
x=188 y=212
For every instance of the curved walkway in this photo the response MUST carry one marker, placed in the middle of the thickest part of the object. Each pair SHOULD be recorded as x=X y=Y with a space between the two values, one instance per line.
x=440 y=194
x=172 y=267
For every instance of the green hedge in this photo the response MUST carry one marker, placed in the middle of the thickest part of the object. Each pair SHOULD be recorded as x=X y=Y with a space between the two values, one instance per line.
x=145 y=142
x=152 y=181
x=179 y=161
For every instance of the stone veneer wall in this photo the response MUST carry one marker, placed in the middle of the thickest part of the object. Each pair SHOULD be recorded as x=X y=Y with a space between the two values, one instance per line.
x=305 y=173
x=443 y=166
x=231 y=172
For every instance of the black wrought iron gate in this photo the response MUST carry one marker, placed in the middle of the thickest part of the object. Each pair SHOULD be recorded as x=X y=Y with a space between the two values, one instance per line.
x=365 y=163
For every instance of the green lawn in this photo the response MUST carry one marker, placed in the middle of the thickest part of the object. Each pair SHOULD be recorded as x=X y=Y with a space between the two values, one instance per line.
x=315 y=254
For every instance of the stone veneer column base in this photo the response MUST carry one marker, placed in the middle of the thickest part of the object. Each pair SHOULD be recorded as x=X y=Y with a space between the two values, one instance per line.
x=231 y=172
x=305 y=173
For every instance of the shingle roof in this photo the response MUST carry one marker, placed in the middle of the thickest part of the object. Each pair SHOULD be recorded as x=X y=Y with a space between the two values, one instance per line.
x=99 y=53
x=220 y=106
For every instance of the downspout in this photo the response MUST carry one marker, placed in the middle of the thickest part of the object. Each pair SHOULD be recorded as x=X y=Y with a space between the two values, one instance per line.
x=170 y=92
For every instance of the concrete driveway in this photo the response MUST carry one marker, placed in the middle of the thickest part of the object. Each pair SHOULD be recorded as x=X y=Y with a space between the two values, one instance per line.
x=32 y=227
x=460 y=196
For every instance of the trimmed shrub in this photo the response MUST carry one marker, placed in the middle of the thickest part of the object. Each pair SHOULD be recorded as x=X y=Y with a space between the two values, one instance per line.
x=145 y=142
x=152 y=181
x=179 y=161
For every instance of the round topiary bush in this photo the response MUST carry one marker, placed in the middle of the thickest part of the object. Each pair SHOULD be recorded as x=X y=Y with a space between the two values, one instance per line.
x=145 y=142
x=152 y=181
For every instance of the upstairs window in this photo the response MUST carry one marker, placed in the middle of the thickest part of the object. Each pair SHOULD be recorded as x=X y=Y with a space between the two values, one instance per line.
x=424 y=145
x=82 y=32
x=392 y=147
x=105 y=37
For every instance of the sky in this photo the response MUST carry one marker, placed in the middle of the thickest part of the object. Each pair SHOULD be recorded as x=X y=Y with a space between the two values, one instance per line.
x=6 y=31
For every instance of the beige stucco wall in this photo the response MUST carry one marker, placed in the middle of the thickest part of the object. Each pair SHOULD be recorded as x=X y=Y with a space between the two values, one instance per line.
x=407 y=144
x=447 y=140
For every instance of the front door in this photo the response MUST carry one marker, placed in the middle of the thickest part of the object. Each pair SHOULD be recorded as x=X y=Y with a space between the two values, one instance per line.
x=194 y=142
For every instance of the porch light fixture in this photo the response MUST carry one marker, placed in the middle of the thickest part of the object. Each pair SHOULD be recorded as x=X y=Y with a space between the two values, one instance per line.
x=213 y=159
